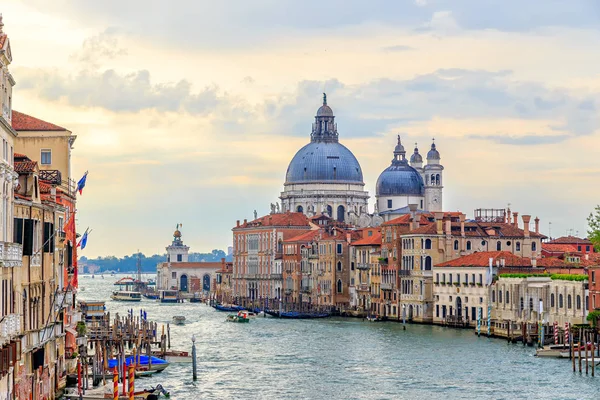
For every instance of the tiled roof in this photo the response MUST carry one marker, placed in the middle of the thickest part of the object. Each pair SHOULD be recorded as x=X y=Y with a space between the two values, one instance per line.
x=19 y=155
x=482 y=259
x=429 y=229
x=559 y=248
x=570 y=240
x=278 y=219
x=25 y=166
x=304 y=237
x=45 y=187
x=24 y=122
x=196 y=265
x=373 y=240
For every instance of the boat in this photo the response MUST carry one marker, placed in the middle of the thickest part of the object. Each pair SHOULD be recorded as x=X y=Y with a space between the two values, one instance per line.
x=150 y=296
x=144 y=372
x=297 y=315
x=227 y=307
x=584 y=349
x=92 y=310
x=158 y=364
x=246 y=314
x=122 y=295
x=179 y=320
x=373 y=318
x=196 y=299
x=552 y=350
x=168 y=296
x=236 y=318
x=102 y=392
x=174 y=356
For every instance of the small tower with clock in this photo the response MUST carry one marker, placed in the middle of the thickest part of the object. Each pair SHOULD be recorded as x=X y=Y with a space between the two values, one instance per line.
x=432 y=176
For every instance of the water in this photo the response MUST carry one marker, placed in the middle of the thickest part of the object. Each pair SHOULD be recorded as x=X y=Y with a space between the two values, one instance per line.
x=345 y=359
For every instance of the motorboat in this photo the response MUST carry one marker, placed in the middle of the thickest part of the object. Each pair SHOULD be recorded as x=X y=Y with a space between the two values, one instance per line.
x=168 y=296
x=174 y=356
x=297 y=315
x=553 y=350
x=179 y=320
x=236 y=318
x=246 y=314
x=122 y=295
x=584 y=349
x=151 y=363
x=373 y=318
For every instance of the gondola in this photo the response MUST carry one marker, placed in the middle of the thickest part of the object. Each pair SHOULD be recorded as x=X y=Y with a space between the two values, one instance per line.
x=228 y=308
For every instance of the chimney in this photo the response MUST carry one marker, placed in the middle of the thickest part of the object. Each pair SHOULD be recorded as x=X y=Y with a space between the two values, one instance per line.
x=516 y=219
x=533 y=262
x=537 y=225
x=416 y=221
x=245 y=221
x=526 y=219
x=438 y=222
x=508 y=216
x=448 y=226
x=462 y=225
x=348 y=238
x=237 y=223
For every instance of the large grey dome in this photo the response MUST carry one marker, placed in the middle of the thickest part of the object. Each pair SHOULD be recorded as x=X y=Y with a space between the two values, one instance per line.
x=324 y=162
x=400 y=178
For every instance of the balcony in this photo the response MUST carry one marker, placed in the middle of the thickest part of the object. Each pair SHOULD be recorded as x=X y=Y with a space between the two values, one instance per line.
x=363 y=266
x=11 y=254
x=63 y=299
x=287 y=291
x=10 y=327
x=363 y=287
x=312 y=256
x=387 y=286
x=277 y=277
x=52 y=175
x=36 y=260
x=306 y=289
x=404 y=272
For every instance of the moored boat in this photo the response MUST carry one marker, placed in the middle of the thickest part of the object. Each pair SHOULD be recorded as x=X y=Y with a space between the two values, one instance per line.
x=297 y=315
x=236 y=318
x=122 y=295
x=168 y=296
x=227 y=307
x=584 y=349
x=179 y=320
x=157 y=364
x=553 y=350
x=174 y=356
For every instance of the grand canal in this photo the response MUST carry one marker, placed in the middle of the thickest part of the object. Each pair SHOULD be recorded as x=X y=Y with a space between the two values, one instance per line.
x=344 y=359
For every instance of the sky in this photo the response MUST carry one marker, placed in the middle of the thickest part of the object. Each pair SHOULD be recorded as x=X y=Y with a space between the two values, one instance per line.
x=190 y=111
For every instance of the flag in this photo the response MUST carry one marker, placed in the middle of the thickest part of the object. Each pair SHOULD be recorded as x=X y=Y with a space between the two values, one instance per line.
x=83 y=241
x=491 y=272
x=81 y=183
x=69 y=229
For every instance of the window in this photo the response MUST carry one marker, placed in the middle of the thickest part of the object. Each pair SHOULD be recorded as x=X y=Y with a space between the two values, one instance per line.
x=339 y=286
x=473 y=279
x=427 y=244
x=560 y=301
x=499 y=296
x=456 y=245
x=530 y=304
x=427 y=263
x=507 y=298
x=437 y=278
x=480 y=300
x=483 y=242
x=552 y=300
x=493 y=296
x=339 y=248
x=473 y=313
x=421 y=204
x=174 y=275
x=578 y=248
x=468 y=245
x=443 y=278
x=437 y=310
x=480 y=279
x=450 y=276
x=389 y=203
x=569 y=302
x=352 y=266
x=466 y=279
x=587 y=248
x=179 y=257
x=533 y=246
x=458 y=278
x=498 y=246
x=594 y=276
x=578 y=302
x=46 y=157
x=518 y=246
x=508 y=243
x=339 y=266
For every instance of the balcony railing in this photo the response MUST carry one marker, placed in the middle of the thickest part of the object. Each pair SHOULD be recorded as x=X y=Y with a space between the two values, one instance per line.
x=306 y=289
x=387 y=286
x=313 y=256
x=363 y=287
x=51 y=175
x=10 y=327
x=364 y=266
x=64 y=299
x=404 y=272
x=11 y=254
x=277 y=276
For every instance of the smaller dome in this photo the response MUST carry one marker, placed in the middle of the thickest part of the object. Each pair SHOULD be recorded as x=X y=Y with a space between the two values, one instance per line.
x=416 y=158
x=177 y=234
x=433 y=154
x=324 y=111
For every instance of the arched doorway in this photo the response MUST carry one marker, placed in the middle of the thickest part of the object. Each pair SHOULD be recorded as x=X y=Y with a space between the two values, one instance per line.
x=183 y=283
x=206 y=283
x=458 y=307
x=330 y=211
x=410 y=312
x=340 y=213
x=299 y=209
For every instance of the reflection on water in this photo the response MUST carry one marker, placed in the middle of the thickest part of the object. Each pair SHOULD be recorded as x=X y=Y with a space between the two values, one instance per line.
x=344 y=359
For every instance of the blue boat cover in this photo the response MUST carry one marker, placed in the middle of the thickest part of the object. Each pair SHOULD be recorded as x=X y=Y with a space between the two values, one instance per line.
x=143 y=361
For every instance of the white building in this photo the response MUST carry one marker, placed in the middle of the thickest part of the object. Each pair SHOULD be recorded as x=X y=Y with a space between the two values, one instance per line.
x=324 y=176
x=177 y=273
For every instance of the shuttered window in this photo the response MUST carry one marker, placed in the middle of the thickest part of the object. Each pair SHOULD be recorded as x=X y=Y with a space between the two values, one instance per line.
x=48 y=237
x=28 y=237
x=18 y=231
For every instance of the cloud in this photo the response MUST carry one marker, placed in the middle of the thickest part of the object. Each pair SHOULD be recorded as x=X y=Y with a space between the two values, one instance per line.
x=526 y=140
x=398 y=48
x=99 y=48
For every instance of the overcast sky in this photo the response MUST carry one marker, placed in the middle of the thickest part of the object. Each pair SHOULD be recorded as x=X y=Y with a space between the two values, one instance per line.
x=189 y=111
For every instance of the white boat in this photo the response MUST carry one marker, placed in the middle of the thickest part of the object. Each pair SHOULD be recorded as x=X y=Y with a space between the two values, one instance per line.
x=588 y=349
x=122 y=295
x=554 y=350
x=174 y=356
x=179 y=320
x=246 y=314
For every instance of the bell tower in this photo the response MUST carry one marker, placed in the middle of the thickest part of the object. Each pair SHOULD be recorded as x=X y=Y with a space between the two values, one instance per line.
x=432 y=176
x=177 y=251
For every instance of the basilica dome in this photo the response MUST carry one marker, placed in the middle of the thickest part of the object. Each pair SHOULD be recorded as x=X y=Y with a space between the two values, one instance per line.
x=400 y=179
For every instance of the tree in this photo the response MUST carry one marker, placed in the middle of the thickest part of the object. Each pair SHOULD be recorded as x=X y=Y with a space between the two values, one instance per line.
x=594 y=227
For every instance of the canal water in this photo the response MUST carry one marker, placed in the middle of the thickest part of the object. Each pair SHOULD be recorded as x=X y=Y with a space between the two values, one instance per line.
x=344 y=359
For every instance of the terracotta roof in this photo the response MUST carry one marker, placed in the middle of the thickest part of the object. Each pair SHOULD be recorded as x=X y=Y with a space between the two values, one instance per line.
x=24 y=122
x=373 y=240
x=25 y=166
x=559 y=248
x=278 y=219
x=304 y=237
x=429 y=229
x=569 y=240
x=482 y=259
x=19 y=155
x=45 y=187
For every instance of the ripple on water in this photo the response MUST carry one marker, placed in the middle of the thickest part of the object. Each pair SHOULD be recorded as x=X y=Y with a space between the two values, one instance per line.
x=345 y=359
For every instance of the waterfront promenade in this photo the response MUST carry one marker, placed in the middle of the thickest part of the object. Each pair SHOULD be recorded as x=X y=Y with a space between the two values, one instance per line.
x=342 y=358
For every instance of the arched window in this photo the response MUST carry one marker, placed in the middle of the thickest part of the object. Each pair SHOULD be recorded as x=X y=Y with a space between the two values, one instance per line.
x=499 y=296
x=569 y=305
x=507 y=298
x=456 y=245
x=339 y=266
x=330 y=211
x=341 y=213
x=299 y=209
x=533 y=246
x=552 y=300
x=578 y=302
x=468 y=245
x=560 y=301
x=518 y=246
x=427 y=263
x=339 y=286
x=437 y=180
x=428 y=244
x=432 y=179
x=498 y=245
x=443 y=278
x=493 y=296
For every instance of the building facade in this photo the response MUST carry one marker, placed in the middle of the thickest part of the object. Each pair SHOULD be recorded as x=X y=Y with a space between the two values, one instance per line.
x=364 y=254
x=324 y=176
